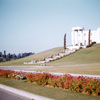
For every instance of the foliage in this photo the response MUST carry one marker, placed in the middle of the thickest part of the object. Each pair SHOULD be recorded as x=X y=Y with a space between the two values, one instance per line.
x=80 y=84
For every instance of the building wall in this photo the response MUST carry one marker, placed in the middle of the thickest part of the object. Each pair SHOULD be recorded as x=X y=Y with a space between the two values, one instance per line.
x=86 y=33
x=80 y=36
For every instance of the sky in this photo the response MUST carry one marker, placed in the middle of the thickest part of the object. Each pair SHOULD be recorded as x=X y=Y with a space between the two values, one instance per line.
x=38 y=25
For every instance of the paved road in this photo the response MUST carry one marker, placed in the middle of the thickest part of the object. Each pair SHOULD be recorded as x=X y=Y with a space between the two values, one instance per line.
x=5 y=95
x=32 y=67
x=16 y=67
x=21 y=67
x=10 y=93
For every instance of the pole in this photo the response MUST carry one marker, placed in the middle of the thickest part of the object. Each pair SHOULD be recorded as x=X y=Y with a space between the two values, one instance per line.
x=65 y=41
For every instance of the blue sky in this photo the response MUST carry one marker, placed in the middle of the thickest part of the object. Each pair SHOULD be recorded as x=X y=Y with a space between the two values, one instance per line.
x=38 y=25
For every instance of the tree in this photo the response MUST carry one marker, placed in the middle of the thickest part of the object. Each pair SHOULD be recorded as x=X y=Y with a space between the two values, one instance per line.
x=1 y=59
x=89 y=37
x=65 y=41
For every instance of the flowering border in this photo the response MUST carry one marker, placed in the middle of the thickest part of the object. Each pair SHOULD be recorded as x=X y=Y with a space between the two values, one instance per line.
x=80 y=84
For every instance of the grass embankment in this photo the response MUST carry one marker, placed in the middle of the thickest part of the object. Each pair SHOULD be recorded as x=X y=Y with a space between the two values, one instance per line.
x=37 y=56
x=84 y=61
x=92 y=69
x=57 y=94
x=83 y=56
x=88 y=55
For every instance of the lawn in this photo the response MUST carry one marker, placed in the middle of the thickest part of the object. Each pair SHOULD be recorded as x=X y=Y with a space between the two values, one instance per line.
x=82 y=56
x=92 y=69
x=37 y=56
x=57 y=94
x=84 y=61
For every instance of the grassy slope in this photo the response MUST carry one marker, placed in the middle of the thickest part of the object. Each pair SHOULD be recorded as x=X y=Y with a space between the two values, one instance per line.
x=92 y=69
x=57 y=94
x=88 y=55
x=38 y=56
x=85 y=61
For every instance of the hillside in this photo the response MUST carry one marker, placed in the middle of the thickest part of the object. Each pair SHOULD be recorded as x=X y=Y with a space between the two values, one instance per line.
x=84 y=61
x=87 y=55
x=82 y=56
x=37 y=56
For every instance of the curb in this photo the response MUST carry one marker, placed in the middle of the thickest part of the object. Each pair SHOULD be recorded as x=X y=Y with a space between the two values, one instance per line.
x=23 y=93
x=58 y=74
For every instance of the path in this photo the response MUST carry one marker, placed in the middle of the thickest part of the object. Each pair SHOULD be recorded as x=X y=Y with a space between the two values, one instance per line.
x=31 y=67
x=17 y=94
x=6 y=95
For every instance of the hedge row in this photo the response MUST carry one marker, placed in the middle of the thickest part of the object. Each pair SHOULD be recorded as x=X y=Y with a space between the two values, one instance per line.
x=81 y=84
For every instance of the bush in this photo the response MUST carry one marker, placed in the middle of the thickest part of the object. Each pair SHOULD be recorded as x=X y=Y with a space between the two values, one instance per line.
x=82 y=84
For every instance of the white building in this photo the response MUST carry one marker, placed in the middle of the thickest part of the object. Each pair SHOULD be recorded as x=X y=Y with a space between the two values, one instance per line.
x=80 y=36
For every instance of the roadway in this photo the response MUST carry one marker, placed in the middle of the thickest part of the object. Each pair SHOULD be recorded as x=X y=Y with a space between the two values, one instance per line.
x=10 y=93
x=21 y=67
x=32 y=67
x=6 y=95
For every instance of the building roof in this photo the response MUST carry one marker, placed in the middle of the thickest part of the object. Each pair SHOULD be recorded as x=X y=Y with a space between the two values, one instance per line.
x=98 y=29
x=77 y=28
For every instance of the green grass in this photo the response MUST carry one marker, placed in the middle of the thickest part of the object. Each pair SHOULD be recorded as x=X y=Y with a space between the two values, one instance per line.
x=88 y=55
x=92 y=69
x=57 y=94
x=37 y=56
x=84 y=61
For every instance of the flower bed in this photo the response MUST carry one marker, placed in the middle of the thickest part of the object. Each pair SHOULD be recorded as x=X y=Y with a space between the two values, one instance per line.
x=81 y=84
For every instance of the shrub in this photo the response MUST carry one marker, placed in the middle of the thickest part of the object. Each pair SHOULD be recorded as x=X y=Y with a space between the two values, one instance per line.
x=82 y=84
